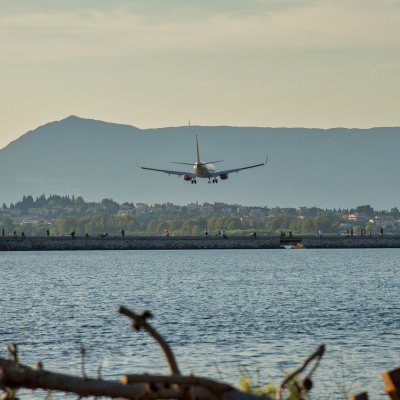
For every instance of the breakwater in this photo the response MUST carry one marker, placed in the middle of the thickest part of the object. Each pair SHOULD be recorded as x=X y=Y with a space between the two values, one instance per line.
x=192 y=242
x=352 y=242
x=137 y=243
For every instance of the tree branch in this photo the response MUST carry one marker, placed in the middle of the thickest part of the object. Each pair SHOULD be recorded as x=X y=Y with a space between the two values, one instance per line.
x=138 y=322
x=215 y=387
x=19 y=376
x=135 y=387
x=316 y=355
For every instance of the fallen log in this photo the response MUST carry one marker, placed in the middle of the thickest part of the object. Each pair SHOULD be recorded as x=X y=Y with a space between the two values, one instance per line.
x=137 y=387
x=14 y=376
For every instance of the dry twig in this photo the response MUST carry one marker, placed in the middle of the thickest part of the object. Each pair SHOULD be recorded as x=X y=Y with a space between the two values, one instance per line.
x=138 y=322
x=307 y=383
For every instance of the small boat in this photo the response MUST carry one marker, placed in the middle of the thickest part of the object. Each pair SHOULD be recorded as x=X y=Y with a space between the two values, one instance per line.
x=298 y=245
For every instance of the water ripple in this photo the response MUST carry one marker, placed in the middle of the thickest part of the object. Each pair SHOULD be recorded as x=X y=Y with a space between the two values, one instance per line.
x=222 y=312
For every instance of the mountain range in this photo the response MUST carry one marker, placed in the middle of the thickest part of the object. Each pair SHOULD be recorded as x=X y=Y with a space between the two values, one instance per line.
x=328 y=168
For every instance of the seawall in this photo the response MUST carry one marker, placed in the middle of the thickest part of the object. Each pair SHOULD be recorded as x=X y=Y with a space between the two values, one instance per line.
x=354 y=242
x=36 y=243
x=137 y=243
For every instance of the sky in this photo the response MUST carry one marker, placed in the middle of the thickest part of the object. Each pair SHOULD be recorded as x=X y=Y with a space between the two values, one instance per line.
x=157 y=63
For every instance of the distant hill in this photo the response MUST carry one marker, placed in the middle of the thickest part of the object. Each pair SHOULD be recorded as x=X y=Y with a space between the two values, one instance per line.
x=328 y=168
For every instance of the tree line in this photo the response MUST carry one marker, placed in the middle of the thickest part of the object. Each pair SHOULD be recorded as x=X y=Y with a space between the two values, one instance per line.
x=107 y=216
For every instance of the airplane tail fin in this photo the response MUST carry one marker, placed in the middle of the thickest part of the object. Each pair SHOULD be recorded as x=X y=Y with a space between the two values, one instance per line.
x=198 y=152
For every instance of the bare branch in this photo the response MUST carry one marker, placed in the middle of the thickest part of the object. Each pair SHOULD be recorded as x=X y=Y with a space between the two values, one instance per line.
x=83 y=361
x=144 y=387
x=18 y=376
x=138 y=322
x=13 y=352
x=213 y=386
x=316 y=355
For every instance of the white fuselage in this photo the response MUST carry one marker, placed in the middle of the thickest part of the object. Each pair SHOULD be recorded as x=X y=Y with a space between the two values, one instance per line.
x=203 y=170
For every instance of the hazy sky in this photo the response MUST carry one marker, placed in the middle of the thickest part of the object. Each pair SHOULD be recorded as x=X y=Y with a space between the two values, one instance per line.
x=155 y=63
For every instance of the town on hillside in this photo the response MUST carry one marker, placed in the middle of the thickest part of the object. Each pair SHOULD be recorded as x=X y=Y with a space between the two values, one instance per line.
x=60 y=215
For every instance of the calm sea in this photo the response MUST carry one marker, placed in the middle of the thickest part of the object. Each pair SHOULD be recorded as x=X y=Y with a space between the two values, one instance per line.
x=225 y=313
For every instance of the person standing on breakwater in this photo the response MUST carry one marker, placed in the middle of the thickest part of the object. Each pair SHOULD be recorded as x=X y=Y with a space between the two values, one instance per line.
x=47 y=233
x=73 y=234
x=122 y=232
x=3 y=233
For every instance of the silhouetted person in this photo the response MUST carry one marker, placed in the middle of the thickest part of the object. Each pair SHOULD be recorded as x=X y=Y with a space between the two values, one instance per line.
x=73 y=234
x=206 y=233
x=351 y=232
x=23 y=234
x=87 y=235
x=122 y=232
x=47 y=233
x=15 y=234
x=3 y=233
x=381 y=231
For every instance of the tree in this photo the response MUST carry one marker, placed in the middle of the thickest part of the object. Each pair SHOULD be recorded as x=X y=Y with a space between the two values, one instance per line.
x=7 y=224
x=395 y=212
x=367 y=210
x=109 y=206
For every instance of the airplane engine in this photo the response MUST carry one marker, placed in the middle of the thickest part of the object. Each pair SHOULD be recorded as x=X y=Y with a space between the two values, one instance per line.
x=224 y=176
x=187 y=177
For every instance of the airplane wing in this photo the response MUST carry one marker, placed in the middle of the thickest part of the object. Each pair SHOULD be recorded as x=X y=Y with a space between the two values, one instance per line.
x=229 y=171
x=169 y=172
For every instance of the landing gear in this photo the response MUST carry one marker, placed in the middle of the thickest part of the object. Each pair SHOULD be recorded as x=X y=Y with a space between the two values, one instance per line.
x=215 y=180
x=209 y=181
x=193 y=181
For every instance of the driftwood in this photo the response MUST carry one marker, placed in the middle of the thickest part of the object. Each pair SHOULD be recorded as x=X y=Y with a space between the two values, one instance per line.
x=306 y=385
x=138 y=322
x=392 y=380
x=14 y=375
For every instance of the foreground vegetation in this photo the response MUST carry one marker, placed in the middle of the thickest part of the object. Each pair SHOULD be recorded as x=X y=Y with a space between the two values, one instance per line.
x=14 y=376
x=296 y=385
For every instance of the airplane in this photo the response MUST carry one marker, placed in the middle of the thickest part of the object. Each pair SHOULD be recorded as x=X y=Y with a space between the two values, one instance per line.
x=203 y=169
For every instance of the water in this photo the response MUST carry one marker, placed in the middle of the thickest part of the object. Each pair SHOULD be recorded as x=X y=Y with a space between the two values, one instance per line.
x=223 y=312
